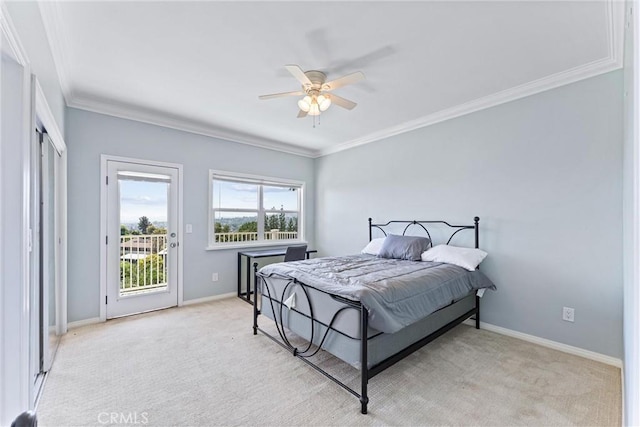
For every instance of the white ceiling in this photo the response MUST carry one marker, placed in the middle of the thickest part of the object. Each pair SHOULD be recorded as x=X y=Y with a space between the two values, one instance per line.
x=200 y=66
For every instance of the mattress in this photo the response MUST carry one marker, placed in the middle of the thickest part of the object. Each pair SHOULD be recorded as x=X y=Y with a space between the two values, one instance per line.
x=396 y=293
x=343 y=338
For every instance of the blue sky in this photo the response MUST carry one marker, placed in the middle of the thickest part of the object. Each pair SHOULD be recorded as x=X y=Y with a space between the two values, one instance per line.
x=142 y=198
x=245 y=196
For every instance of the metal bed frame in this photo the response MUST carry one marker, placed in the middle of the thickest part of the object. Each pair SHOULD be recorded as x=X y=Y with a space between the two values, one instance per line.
x=366 y=372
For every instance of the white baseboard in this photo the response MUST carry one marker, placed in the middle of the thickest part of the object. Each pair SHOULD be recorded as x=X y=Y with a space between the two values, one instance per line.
x=81 y=323
x=208 y=299
x=93 y=320
x=565 y=348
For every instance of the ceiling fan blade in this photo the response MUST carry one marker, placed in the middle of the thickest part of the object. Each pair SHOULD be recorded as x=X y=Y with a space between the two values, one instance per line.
x=302 y=114
x=342 y=102
x=279 y=95
x=299 y=74
x=343 y=81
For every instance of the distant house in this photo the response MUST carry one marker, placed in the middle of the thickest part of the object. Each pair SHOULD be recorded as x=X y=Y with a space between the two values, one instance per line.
x=136 y=245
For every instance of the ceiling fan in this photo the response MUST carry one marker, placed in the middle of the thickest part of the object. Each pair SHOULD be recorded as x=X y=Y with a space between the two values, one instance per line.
x=315 y=91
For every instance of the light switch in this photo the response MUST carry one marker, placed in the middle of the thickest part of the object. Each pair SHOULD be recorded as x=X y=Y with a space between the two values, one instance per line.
x=188 y=229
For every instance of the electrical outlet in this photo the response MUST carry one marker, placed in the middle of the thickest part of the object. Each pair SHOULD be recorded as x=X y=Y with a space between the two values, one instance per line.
x=567 y=314
x=214 y=277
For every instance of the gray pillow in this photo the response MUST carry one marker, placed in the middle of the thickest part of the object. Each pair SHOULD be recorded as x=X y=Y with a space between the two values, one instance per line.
x=403 y=247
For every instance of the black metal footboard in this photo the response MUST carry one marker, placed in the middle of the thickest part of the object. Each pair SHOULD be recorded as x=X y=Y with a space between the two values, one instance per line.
x=311 y=349
x=305 y=354
x=367 y=372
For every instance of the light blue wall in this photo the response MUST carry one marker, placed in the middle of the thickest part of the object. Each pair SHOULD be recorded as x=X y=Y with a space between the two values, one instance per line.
x=542 y=172
x=27 y=20
x=89 y=135
x=544 y=175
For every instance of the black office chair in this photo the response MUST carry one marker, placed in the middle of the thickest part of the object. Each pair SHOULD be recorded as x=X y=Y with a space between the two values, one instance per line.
x=26 y=419
x=295 y=253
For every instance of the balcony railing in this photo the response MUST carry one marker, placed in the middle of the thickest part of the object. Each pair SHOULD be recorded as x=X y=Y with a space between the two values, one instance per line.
x=143 y=264
x=250 y=236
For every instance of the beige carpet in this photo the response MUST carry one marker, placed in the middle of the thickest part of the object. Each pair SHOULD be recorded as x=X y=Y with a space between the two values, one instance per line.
x=201 y=366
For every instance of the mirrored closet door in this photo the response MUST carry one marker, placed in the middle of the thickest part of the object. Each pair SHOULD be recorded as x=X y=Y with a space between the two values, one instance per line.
x=45 y=273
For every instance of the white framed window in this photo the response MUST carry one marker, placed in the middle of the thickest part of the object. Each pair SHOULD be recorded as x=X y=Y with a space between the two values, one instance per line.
x=249 y=210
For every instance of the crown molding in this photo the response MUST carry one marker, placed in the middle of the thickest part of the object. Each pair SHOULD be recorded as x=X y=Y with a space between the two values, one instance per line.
x=62 y=52
x=615 y=37
x=616 y=13
x=60 y=47
x=11 y=36
x=45 y=115
x=43 y=111
x=512 y=94
x=59 y=44
x=139 y=114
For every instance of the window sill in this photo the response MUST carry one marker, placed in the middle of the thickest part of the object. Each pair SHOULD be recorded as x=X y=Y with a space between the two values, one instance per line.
x=255 y=244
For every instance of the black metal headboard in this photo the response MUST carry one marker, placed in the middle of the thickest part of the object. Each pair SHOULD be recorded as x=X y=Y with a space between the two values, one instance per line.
x=455 y=228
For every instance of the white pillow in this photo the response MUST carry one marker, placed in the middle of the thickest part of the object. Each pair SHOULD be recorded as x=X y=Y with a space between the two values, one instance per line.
x=373 y=247
x=468 y=258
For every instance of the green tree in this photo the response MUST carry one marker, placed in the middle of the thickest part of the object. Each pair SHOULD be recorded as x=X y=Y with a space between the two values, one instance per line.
x=148 y=271
x=157 y=243
x=125 y=275
x=291 y=226
x=219 y=228
x=282 y=220
x=152 y=229
x=152 y=270
x=249 y=227
x=124 y=230
x=273 y=222
x=143 y=224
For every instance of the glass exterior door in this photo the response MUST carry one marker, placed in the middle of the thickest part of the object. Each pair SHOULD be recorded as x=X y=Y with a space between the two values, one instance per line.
x=142 y=238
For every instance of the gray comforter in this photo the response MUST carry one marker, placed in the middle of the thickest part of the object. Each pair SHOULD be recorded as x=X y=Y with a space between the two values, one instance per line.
x=396 y=293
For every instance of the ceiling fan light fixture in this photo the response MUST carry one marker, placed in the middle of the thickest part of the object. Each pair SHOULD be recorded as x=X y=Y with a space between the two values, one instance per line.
x=305 y=104
x=324 y=102
x=314 y=109
x=315 y=88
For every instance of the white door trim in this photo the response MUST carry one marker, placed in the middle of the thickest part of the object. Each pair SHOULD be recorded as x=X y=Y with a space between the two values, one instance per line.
x=16 y=387
x=104 y=158
x=45 y=116
x=15 y=395
x=631 y=295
